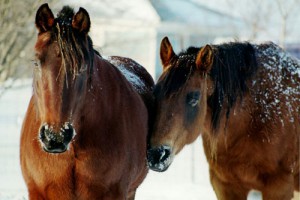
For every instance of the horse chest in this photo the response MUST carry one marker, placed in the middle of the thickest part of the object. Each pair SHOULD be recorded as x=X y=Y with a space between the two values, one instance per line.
x=240 y=161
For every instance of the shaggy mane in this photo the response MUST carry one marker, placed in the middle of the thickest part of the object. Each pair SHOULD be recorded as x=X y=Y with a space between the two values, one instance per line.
x=76 y=55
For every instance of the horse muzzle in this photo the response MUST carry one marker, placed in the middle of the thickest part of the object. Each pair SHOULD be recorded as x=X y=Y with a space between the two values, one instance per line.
x=159 y=158
x=56 y=142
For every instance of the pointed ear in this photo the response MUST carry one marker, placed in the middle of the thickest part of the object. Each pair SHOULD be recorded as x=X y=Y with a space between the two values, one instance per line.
x=44 y=19
x=204 y=59
x=81 y=21
x=166 y=52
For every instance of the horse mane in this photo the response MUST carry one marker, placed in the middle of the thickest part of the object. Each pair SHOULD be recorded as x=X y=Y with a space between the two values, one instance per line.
x=74 y=52
x=233 y=65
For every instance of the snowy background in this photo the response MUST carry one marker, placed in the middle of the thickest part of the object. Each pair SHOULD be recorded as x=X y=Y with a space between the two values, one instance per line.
x=187 y=178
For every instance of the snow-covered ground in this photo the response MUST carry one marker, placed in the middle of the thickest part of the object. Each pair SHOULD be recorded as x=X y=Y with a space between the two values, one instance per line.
x=187 y=178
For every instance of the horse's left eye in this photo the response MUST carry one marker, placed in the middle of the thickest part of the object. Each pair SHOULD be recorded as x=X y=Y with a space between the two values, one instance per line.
x=193 y=98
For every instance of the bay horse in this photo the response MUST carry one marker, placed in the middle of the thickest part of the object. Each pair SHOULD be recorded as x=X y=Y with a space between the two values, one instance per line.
x=244 y=100
x=84 y=135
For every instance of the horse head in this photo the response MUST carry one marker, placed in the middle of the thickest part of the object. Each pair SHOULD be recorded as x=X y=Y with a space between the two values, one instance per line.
x=181 y=102
x=64 y=61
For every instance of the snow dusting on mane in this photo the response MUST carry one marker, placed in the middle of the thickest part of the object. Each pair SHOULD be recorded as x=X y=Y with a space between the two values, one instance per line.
x=128 y=72
x=281 y=90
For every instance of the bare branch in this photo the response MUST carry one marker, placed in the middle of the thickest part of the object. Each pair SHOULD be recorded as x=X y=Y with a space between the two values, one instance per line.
x=286 y=9
x=16 y=35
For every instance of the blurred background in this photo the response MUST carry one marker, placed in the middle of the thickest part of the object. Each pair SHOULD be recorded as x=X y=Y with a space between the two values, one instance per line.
x=135 y=28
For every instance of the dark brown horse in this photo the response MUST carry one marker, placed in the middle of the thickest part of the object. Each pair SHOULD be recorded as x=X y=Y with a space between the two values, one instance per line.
x=244 y=99
x=85 y=132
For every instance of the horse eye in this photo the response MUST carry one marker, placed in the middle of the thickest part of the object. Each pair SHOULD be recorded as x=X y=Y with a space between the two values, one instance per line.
x=193 y=98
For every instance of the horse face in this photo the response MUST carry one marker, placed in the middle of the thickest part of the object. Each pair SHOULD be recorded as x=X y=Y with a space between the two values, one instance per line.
x=59 y=78
x=181 y=111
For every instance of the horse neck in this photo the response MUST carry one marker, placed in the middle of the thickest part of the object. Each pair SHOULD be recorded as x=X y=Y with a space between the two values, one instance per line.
x=233 y=127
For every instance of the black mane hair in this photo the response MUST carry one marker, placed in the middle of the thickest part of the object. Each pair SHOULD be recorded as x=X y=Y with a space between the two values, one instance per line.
x=76 y=55
x=233 y=65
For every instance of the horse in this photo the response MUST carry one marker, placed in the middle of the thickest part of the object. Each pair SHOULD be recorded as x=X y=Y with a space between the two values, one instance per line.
x=243 y=99
x=84 y=135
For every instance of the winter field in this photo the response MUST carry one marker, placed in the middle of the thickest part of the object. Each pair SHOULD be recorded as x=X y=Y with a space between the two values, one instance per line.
x=186 y=179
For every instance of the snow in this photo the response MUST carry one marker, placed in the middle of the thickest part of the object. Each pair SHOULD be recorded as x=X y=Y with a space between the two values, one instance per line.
x=136 y=81
x=273 y=93
x=13 y=103
x=12 y=197
x=131 y=77
x=187 y=177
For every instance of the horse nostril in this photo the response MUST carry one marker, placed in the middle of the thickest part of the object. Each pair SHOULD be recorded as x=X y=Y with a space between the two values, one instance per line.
x=42 y=133
x=68 y=133
x=165 y=154
x=160 y=158
x=46 y=134
x=56 y=141
x=159 y=155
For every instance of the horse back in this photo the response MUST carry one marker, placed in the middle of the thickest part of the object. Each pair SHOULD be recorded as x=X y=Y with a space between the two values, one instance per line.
x=141 y=81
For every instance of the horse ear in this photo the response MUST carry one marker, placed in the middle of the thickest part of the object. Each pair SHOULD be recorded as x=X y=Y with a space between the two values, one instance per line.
x=204 y=59
x=166 y=52
x=44 y=19
x=81 y=21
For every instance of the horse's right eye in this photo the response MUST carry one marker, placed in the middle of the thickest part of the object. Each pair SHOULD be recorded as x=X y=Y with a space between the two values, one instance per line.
x=193 y=98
